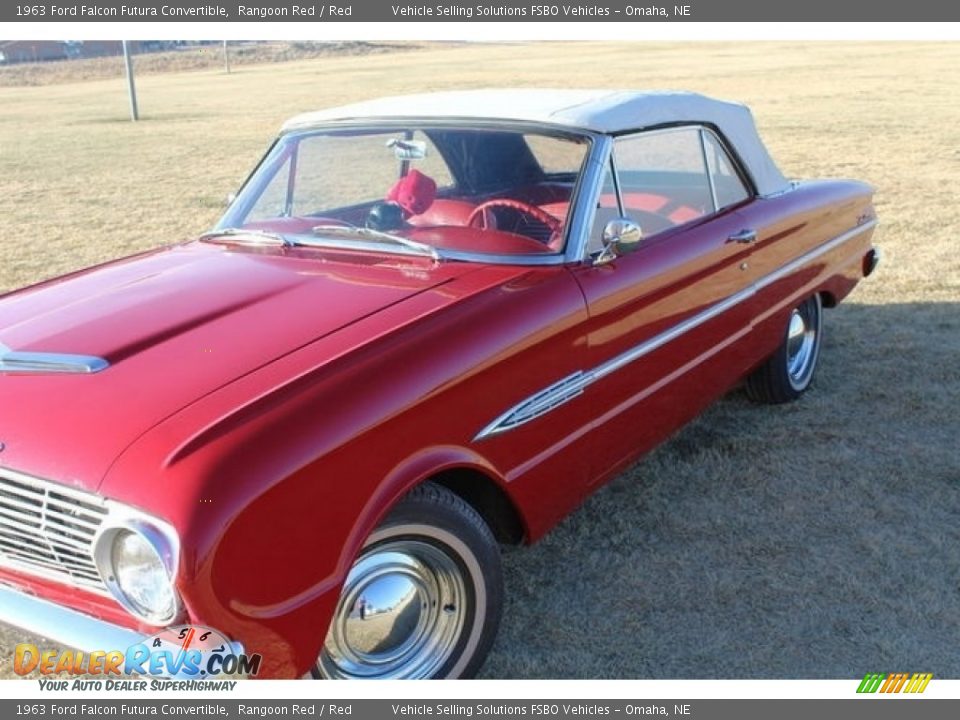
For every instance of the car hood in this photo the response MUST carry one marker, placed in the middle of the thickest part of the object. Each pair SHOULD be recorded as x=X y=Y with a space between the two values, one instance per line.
x=173 y=325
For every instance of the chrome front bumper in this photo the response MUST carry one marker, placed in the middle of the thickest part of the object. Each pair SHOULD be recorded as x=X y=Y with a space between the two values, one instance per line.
x=66 y=626
x=71 y=628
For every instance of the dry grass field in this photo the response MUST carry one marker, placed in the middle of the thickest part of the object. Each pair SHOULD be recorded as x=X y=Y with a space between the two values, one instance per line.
x=189 y=58
x=813 y=540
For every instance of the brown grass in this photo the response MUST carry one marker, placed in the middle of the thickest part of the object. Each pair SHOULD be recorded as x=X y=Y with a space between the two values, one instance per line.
x=188 y=58
x=813 y=540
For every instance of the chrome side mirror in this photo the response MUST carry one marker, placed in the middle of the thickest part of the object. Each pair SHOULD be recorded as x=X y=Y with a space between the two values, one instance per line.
x=620 y=236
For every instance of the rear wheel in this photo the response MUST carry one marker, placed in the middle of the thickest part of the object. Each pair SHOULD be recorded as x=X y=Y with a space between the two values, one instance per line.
x=423 y=599
x=787 y=374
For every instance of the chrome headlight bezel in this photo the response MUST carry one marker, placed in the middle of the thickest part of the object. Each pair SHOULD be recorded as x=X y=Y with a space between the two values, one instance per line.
x=160 y=537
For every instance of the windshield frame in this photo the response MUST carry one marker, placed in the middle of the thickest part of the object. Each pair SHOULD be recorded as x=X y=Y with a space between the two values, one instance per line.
x=577 y=223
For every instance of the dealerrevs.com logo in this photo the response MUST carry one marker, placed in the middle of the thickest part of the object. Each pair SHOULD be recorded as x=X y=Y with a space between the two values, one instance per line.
x=182 y=652
x=888 y=683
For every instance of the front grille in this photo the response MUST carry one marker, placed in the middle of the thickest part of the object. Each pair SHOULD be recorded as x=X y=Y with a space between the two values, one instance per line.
x=48 y=530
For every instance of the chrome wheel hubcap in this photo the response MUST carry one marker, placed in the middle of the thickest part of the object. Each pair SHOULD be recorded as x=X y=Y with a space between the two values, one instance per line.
x=802 y=343
x=400 y=615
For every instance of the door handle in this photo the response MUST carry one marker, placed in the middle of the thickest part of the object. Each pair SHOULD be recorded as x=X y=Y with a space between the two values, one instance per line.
x=744 y=237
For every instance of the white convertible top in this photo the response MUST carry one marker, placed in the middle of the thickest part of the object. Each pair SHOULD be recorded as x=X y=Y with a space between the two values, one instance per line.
x=605 y=111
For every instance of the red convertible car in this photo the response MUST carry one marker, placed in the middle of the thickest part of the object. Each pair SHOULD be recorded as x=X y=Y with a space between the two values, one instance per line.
x=425 y=326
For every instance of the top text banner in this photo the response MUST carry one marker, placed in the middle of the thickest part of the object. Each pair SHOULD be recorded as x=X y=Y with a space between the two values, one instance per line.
x=466 y=11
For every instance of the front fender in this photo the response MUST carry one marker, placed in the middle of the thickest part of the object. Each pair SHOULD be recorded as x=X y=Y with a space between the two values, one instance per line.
x=275 y=481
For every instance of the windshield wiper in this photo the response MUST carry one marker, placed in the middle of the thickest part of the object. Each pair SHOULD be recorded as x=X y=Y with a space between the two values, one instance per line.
x=361 y=233
x=248 y=237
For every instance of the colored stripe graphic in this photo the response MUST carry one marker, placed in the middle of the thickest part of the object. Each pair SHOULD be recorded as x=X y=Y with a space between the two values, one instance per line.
x=889 y=683
x=894 y=683
x=918 y=683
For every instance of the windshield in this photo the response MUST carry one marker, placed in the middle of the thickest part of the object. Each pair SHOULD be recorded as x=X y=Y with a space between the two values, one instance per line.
x=446 y=191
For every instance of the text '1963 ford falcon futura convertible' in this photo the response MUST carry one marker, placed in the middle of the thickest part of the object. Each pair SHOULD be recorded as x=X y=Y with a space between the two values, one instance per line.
x=424 y=327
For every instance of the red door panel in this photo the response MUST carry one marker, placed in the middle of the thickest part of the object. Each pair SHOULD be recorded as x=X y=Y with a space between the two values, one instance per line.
x=786 y=262
x=664 y=335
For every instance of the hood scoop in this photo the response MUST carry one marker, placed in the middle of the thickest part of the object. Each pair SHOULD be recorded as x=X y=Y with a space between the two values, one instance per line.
x=12 y=361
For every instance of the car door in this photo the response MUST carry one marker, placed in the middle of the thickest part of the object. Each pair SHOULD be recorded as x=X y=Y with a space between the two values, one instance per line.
x=666 y=321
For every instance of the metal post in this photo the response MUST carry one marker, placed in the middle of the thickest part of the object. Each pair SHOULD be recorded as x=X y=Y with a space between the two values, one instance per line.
x=131 y=88
x=226 y=58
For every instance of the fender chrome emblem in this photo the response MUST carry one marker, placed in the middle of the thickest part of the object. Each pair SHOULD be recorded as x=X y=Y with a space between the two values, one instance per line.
x=12 y=361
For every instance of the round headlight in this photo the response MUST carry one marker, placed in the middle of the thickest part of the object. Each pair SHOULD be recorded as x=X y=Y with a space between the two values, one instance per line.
x=140 y=577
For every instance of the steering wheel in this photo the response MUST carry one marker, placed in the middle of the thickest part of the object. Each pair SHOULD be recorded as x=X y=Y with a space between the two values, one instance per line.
x=541 y=216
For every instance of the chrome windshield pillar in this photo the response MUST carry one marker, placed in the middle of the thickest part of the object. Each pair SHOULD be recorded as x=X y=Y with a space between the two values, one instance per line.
x=588 y=196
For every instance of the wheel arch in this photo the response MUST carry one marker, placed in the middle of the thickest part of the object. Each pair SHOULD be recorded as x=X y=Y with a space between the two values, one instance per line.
x=457 y=470
x=828 y=299
x=462 y=471
x=488 y=498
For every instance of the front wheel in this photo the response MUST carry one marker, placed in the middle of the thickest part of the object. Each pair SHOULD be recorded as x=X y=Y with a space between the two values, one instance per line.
x=789 y=371
x=423 y=599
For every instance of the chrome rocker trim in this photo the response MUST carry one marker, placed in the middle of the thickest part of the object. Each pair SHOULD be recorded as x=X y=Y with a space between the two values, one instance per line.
x=13 y=361
x=543 y=401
